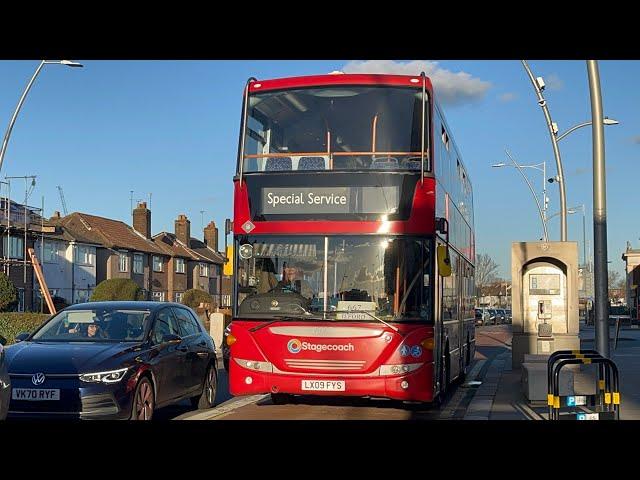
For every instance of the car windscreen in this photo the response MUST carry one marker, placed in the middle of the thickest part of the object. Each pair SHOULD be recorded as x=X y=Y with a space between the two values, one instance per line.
x=95 y=325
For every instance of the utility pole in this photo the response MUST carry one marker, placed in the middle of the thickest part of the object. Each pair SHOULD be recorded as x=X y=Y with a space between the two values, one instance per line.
x=599 y=213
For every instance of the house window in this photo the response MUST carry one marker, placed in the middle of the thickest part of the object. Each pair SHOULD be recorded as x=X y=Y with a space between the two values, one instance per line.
x=158 y=296
x=179 y=265
x=179 y=297
x=16 y=247
x=82 y=296
x=204 y=269
x=83 y=255
x=50 y=252
x=123 y=262
x=157 y=264
x=138 y=263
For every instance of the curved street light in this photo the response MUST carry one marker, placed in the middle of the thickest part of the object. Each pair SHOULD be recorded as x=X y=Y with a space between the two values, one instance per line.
x=7 y=134
x=606 y=121
x=540 y=210
x=538 y=86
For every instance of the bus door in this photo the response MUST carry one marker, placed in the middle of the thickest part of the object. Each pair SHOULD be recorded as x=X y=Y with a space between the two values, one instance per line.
x=448 y=324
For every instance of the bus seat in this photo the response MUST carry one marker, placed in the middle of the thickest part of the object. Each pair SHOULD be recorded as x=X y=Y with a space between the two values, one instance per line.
x=413 y=163
x=278 y=163
x=312 y=163
x=384 y=163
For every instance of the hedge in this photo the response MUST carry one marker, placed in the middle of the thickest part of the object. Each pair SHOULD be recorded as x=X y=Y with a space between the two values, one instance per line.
x=8 y=292
x=193 y=298
x=117 y=289
x=13 y=323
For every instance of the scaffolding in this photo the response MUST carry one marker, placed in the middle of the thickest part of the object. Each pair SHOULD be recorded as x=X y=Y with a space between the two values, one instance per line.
x=23 y=219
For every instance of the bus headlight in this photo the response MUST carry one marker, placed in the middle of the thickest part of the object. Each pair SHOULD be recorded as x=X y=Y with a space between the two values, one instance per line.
x=401 y=369
x=255 y=365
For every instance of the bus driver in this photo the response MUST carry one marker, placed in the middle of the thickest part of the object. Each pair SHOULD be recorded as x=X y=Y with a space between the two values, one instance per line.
x=293 y=279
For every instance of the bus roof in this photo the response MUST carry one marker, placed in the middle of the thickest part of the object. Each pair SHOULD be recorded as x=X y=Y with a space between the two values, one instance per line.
x=338 y=79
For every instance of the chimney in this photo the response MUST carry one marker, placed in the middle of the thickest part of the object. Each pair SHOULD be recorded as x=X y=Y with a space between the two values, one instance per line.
x=142 y=219
x=211 y=235
x=183 y=229
x=55 y=216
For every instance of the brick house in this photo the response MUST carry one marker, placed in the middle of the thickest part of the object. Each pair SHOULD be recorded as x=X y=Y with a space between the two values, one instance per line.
x=124 y=252
x=204 y=268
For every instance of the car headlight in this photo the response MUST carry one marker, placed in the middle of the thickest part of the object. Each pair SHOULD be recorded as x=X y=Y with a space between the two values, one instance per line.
x=112 y=376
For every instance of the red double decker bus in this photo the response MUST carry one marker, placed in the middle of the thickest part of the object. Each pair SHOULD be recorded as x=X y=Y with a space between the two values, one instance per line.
x=353 y=241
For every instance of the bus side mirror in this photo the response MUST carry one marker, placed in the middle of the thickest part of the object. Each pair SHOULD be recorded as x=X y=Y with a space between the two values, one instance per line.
x=444 y=261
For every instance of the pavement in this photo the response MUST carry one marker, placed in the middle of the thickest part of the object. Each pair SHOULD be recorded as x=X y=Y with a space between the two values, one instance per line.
x=498 y=388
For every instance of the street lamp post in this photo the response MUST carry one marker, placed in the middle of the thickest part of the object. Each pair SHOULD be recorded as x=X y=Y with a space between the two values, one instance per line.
x=599 y=213
x=543 y=210
x=538 y=86
x=535 y=196
x=7 y=134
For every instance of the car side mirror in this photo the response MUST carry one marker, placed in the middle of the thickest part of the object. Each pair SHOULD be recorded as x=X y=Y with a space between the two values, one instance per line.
x=171 y=338
x=22 y=336
x=3 y=341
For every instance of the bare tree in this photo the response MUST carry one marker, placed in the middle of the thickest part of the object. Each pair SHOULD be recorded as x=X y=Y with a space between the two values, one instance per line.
x=617 y=286
x=486 y=269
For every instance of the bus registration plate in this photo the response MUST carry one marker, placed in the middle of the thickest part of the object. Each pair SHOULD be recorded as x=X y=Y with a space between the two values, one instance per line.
x=324 y=385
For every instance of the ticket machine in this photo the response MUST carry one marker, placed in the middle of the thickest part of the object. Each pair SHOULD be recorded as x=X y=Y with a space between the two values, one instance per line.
x=544 y=276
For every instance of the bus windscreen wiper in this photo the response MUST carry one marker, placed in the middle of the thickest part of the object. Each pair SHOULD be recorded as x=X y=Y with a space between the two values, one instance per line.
x=395 y=329
x=278 y=318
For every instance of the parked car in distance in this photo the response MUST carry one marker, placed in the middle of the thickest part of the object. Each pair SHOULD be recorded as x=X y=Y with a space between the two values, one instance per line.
x=483 y=316
x=502 y=315
x=479 y=316
x=509 y=316
x=5 y=383
x=493 y=316
x=116 y=360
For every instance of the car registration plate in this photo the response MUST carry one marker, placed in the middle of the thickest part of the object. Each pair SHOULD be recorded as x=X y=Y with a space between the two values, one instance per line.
x=324 y=385
x=35 y=394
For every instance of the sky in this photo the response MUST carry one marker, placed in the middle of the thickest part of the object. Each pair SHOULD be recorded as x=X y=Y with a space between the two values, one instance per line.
x=169 y=129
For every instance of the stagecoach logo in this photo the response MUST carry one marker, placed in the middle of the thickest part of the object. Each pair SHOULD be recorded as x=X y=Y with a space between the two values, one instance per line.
x=274 y=303
x=544 y=247
x=294 y=345
x=38 y=378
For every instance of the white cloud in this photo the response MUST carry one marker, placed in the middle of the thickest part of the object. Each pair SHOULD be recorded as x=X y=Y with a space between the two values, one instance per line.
x=554 y=82
x=451 y=88
x=507 y=97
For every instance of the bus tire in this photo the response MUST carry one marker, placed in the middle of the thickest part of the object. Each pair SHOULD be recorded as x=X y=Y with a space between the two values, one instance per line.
x=280 y=398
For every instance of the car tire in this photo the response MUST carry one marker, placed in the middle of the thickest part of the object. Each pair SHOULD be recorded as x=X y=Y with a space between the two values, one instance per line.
x=207 y=399
x=144 y=401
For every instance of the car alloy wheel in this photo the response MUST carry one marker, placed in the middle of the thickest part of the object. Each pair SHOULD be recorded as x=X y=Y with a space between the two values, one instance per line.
x=210 y=386
x=144 y=401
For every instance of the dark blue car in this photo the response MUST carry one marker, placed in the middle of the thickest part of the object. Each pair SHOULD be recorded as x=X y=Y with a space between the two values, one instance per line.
x=116 y=360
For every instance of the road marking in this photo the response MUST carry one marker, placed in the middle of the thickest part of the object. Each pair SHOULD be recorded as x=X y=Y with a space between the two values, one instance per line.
x=527 y=411
x=225 y=408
